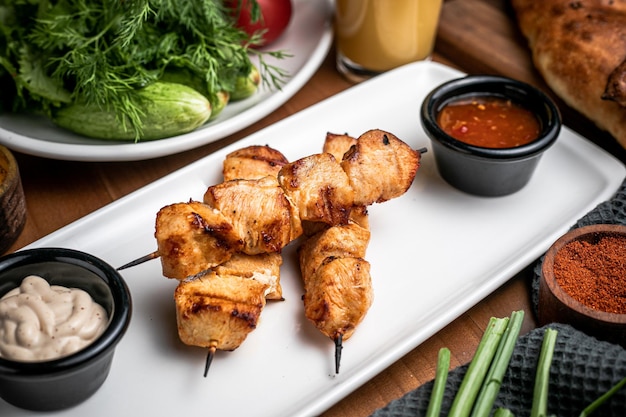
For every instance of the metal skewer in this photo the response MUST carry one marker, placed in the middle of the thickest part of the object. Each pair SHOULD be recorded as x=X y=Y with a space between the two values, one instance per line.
x=141 y=260
x=338 y=347
x=209 y=356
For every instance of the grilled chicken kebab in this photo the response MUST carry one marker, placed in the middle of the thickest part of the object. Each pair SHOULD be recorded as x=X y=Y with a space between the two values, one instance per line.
x=219 y=308
x=338 y=288
x=226 y=249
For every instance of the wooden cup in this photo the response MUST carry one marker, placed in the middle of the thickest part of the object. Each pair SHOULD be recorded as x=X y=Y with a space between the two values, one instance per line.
x=12 y=201
x=557 y=306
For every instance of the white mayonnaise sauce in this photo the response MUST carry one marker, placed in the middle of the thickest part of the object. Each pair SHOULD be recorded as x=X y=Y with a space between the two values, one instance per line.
x=41 y=322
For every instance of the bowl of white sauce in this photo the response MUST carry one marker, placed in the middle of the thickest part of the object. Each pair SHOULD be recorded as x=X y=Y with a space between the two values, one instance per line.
x=62 y=313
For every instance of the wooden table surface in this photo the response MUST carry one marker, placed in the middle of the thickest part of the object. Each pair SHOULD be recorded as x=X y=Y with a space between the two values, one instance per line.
x=476 y=36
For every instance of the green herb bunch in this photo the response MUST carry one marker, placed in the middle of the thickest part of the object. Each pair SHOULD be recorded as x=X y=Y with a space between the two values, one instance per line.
x=99 y=52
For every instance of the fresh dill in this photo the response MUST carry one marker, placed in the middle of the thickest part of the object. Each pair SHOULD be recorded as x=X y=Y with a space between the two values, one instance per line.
x=99 y=52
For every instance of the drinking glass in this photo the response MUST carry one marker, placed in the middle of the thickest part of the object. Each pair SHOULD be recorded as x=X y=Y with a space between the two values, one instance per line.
x=374 y=36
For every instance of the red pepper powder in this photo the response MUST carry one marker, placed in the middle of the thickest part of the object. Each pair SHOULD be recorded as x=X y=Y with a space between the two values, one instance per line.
x=594 y=272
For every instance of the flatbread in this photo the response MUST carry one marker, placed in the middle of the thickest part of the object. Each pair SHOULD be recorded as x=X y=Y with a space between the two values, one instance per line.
x=579 y=47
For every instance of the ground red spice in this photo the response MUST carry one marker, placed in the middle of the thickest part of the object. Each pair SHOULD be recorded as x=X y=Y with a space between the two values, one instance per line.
x=594 y=272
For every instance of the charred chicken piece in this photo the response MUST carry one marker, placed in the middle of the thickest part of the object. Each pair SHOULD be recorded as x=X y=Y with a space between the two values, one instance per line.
x=264 y=267
x=192 y=237
x=344 y=241
x=380 y=167
x=259 y=212
x=338 y=144
x=337 y=283
x=218 y=311
x=253 y=162
x=319 y=188
x=256 y=162
x=338 y=295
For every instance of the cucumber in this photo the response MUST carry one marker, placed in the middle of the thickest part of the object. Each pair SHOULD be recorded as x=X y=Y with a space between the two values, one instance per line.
x=184 y=76
x=222 y=99
x=169 y=109
x=246 y=85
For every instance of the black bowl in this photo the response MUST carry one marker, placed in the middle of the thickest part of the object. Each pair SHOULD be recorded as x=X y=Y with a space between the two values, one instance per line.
x=488 y=171
x=67 y=381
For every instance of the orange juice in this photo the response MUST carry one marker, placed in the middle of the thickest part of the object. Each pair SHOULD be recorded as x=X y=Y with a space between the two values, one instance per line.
x=378 y=35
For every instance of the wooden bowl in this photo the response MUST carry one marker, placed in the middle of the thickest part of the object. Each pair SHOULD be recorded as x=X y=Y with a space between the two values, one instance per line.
x=12 y=201
x=558 y=306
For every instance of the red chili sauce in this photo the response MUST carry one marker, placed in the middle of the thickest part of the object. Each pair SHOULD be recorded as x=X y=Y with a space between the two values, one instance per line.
x=489 y=122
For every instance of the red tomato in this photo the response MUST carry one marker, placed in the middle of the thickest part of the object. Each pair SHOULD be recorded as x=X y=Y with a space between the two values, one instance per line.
x=275 y=18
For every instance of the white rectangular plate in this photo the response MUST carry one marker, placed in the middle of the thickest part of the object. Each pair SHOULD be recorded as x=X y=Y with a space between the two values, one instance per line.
x=435 y=252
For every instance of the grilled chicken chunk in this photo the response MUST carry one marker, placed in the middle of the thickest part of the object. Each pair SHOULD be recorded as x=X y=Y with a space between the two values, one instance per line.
x=319 y=188
x=218 y=311
x=338 y=295
x=380 y=167
x=192 y=237
x=259 y=212
x=253 y=162
x=337 y=284
x=338 y=144
x=264 y=267
x=256 y=162
x=344 y=241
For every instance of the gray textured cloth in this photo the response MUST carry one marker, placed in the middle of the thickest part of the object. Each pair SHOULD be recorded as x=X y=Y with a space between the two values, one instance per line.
x=583 y=368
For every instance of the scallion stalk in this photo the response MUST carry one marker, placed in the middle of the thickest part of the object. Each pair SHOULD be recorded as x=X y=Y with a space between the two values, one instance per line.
x=503 y=412
x=542 y=377
x=493 y=380
x=600 y=400
x=439 y=387
x=477 y=370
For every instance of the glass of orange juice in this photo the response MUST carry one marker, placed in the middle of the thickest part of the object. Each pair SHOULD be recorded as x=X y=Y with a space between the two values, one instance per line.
x=374 y=36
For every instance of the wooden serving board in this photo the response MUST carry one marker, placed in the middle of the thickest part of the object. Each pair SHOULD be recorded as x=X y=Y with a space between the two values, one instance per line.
x=483 y=35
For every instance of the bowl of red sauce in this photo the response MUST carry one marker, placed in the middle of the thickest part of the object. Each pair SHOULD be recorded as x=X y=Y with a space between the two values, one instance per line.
x=583 y=282
x=488 y=133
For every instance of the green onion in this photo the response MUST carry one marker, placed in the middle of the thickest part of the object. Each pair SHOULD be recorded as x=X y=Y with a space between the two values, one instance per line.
x=503 y=412
x=477 y=370
x=600 y=400
x=542 y=377
x=439 y=387
x=493 y=380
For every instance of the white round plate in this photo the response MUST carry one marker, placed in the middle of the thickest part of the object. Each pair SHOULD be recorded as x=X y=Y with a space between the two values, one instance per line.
x=308 y=39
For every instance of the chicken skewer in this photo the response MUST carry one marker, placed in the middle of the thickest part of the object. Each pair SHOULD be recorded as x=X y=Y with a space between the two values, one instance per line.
x=251 y=163
x=337 y=283
x=324 y=191
x=218 y=310
x=320 y=194
x=322 y=245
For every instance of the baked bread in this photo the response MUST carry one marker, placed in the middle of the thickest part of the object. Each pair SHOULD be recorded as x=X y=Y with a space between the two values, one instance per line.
x=579 y=47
